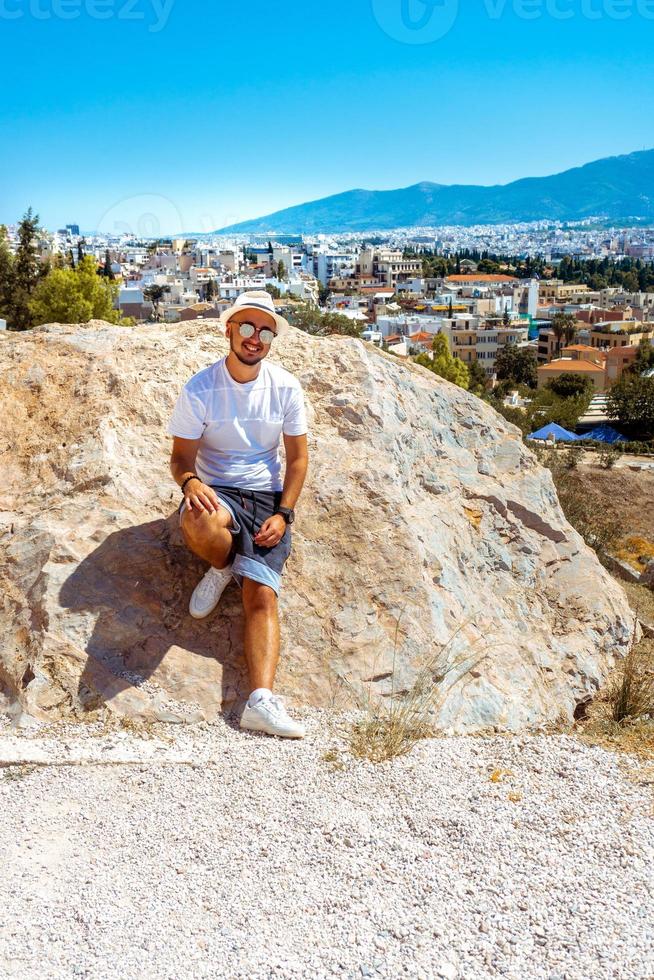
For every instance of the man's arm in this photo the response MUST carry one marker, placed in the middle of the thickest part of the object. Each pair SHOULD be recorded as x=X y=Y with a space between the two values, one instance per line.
x=199 y=497
x=297 y=460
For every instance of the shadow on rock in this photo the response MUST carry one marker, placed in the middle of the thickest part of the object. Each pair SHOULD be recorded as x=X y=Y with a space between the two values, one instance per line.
x=148 y=659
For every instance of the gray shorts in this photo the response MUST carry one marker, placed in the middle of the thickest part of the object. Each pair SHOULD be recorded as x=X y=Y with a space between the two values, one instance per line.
x=249 y=509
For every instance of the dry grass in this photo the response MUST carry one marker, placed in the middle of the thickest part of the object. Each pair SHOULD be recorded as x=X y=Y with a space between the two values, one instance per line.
x=630 y=695
x=621 y=718
x=641 y=600
x=636 y=550
x=392 y=724
x=597 y=525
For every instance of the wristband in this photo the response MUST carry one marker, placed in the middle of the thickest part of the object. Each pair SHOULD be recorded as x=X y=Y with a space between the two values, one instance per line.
x=188 y=479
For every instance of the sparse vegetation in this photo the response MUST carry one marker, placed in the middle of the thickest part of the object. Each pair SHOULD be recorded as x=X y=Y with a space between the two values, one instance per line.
x=608 y=456
x=310 y=319
x=597 y=526
x=444 y=364
x=636 y=550
x=393 y=723
x=621 y=717
x=631 y=693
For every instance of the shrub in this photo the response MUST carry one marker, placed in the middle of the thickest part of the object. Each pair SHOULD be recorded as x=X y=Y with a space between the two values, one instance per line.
x=608 y=456
x=631 y=694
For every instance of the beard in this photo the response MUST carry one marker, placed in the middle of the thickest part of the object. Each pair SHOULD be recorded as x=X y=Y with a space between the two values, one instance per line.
x=244 y=357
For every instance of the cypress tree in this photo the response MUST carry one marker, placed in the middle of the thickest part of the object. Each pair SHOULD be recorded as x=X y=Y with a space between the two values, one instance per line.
x=6 y=275
x=107 y=271
x=26 y=272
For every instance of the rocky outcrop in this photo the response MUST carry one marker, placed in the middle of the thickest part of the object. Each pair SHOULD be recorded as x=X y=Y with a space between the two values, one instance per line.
x=428 y=538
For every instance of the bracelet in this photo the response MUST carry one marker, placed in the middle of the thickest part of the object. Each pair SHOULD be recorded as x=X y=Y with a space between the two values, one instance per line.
x=188 y=478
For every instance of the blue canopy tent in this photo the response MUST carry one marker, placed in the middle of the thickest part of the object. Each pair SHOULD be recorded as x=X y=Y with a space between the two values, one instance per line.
x=553 y=430
x=605 y=433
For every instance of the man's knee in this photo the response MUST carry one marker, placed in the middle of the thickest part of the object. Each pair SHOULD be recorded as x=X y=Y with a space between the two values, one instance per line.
x=258 y=597
x=199 y=526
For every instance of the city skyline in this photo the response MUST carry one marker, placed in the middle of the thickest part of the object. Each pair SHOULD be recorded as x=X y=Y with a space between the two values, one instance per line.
x=194 y=117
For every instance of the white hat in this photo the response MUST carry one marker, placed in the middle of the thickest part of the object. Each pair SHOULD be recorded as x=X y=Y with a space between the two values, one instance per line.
x=256 y=299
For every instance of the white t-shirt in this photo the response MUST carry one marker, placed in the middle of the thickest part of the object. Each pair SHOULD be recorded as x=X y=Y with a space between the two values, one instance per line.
x=239 y=425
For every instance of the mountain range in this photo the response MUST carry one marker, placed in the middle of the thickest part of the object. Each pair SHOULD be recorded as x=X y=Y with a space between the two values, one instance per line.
x=616 y=188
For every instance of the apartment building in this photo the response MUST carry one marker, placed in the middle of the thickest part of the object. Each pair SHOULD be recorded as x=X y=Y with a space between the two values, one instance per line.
x=602 y=367
x=595 y=371
x=596 y=314
x=481 y=279
x=388 y=266
x=626 y=333
x=552 y=292
x=482 y=341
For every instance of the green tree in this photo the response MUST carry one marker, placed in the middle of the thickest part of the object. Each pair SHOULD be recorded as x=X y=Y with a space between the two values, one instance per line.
x=443 y=364
x=570 y=385
x=644 y=358
x=565 y=328
x=631 y=403
x=107 y=271
x=478 y=379
x=281 y=271
x=75 y=296
x=6 y=275
x=517 y=364
x=26 y=273
x=548 y=407
x=155 y=294
x=80 y=250
x=311 y=320
x=506 y=319
x=274 y=291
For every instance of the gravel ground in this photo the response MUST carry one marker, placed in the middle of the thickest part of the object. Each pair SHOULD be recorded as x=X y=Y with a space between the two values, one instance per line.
x=226 y=854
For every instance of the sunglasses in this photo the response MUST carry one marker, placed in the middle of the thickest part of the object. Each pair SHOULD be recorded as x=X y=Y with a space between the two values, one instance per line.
x=247 y=330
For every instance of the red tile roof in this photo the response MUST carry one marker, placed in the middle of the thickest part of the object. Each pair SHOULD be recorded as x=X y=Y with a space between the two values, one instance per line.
x=577 y=366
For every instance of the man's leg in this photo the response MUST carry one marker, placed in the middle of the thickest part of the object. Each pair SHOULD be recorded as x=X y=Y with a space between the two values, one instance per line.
x=207 y=535
x=264 y=712
x=261 y=639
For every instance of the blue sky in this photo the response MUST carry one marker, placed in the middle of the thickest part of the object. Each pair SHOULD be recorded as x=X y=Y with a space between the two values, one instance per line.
x=166 y=115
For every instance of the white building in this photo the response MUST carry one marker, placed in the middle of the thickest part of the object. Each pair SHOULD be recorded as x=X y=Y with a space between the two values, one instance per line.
x=240 y=284
x=330 y=265
x=408 y=323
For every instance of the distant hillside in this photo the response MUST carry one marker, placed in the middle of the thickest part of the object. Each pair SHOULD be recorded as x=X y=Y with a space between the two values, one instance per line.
x=616 y=187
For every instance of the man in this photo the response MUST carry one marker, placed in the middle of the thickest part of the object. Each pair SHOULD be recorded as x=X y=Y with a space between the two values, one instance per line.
x=237 y=512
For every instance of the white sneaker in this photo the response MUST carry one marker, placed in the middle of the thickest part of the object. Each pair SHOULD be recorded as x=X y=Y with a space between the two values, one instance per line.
x=207 y=593
x=270 y=716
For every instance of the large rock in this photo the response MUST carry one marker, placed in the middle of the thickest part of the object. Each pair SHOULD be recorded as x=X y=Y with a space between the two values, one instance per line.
x=428 y=537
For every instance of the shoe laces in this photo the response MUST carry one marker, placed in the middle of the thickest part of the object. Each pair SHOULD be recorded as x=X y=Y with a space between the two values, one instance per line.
x=211 y=581
x=274 y=704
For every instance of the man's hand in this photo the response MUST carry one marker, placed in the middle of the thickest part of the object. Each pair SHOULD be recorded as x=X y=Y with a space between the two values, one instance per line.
x=271 y=532
x=200 y=498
